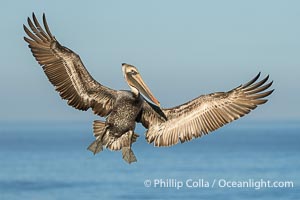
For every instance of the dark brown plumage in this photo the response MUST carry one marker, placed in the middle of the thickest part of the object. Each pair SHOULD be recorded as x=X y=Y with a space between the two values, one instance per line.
x=166 y=127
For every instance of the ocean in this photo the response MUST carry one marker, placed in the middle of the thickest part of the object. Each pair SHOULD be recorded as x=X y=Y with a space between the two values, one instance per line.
x=243 y=160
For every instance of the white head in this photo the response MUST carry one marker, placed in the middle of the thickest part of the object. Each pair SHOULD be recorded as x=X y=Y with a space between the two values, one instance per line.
x=136 y=83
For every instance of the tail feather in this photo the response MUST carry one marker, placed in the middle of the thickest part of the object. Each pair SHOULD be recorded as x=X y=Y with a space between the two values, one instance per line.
x=116 y=144
x=99 y=128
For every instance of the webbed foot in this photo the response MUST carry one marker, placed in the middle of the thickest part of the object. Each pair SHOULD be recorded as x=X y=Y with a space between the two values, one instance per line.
x=127 y=152
x=128 y=155
x=96 y=147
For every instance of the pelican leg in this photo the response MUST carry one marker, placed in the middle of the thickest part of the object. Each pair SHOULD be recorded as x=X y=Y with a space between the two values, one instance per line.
x=127 y=152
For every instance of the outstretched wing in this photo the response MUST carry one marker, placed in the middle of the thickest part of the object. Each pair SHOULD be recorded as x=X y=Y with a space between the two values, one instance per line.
x=205 y=113
x=66 y=71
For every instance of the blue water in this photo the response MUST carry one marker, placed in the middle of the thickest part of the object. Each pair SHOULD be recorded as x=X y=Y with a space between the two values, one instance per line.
x=50 y=161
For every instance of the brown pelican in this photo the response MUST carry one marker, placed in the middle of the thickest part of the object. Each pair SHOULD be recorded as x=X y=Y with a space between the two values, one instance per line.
x=123 y=109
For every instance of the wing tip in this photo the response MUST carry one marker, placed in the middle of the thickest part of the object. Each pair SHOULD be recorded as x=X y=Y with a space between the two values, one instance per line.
x=252 y=81
x=46 y=26
x=26 y=39
x=24 y=27
x=271 y=91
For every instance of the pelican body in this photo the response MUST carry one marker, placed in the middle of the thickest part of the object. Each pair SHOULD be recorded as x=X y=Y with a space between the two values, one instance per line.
x=117 y=132
x=124 y=113
x=122 y=108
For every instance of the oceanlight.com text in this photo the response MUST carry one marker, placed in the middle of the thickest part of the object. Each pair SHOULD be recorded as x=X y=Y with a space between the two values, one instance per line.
x=255 y=184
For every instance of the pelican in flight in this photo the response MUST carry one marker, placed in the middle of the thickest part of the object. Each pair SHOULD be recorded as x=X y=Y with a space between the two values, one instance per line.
x=123 y=108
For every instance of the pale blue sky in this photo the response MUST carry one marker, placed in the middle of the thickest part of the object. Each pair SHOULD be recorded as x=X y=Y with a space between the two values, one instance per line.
x=182 y=49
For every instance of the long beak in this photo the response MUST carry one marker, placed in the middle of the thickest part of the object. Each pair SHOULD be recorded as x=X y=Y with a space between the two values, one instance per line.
x=137 y=82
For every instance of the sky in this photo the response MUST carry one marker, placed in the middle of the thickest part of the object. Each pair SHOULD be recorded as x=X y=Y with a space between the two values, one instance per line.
x=182 y=49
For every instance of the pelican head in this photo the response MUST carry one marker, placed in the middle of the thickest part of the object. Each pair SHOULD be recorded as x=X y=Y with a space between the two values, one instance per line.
x=136 y=83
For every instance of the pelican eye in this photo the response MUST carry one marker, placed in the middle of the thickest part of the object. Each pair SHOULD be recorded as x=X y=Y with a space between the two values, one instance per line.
x=133 y=72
